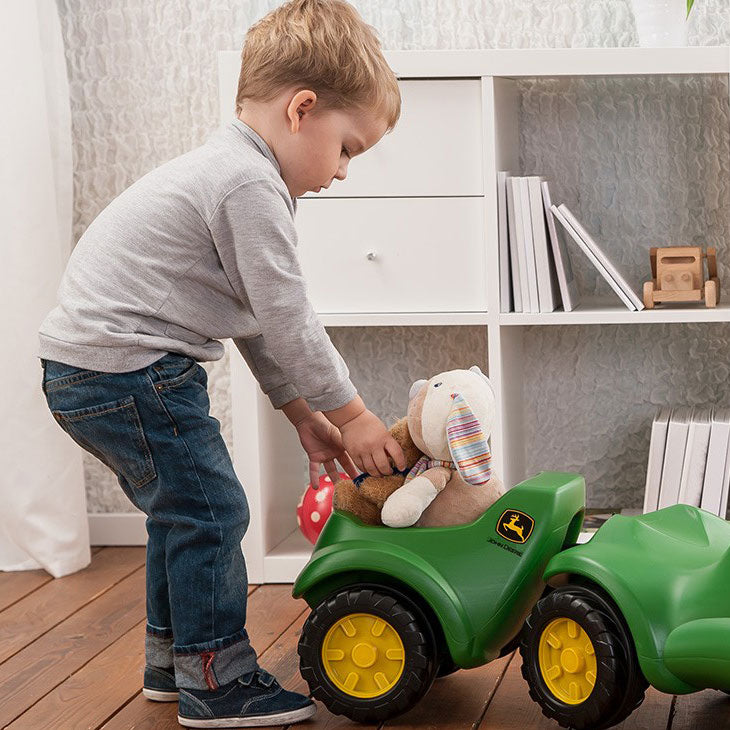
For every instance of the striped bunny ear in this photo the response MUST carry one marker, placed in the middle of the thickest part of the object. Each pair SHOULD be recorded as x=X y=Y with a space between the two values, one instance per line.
x=467 y=443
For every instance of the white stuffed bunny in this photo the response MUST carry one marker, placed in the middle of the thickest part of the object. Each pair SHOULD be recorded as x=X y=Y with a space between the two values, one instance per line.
x=450 y=418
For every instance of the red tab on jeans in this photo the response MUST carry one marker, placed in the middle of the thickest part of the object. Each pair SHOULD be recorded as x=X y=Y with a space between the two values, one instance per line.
x=207 y=658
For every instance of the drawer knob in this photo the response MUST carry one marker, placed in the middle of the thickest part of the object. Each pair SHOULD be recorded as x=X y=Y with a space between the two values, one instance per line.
x=371 y=255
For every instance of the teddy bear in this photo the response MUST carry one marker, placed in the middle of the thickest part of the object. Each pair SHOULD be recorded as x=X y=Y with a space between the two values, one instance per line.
x=364 y=496
x=448 y=478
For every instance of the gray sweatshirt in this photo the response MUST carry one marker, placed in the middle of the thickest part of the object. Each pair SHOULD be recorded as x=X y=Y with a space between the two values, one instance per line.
x=197 y=250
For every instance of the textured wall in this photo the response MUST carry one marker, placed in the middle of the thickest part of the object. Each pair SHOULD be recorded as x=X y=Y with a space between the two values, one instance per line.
x=592 y=393
x=144 y=89
x=384 y=361
x=642 y=162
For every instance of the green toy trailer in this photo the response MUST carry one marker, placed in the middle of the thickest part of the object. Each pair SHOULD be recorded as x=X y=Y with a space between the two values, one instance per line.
x=644 y=601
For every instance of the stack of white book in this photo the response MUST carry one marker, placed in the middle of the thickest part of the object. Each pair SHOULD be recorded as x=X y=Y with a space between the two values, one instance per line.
x=535 y=271
x=689 y=459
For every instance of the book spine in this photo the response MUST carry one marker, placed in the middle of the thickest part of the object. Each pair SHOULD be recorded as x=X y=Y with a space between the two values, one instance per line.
x=605 y=261
x=529 y=247
x=513 y=247
x=520 y=244
x=591 y=257
x=564 y=272
x=542 y=254
x=505 y=290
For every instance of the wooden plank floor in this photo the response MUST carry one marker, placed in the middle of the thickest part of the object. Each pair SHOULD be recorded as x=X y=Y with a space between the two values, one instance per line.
x=72 y=656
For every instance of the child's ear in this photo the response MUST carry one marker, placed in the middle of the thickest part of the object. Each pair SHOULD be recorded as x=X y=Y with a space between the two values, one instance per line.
x=301 y=103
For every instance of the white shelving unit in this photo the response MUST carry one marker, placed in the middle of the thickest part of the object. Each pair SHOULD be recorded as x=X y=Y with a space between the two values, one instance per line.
x=430 y=183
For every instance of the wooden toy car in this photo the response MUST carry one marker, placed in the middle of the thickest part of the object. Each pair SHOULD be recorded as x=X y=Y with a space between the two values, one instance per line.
x=678 y=276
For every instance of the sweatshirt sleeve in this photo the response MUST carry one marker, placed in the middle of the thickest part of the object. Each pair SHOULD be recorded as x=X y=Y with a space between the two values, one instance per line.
x=253 y=231
x=266 y=370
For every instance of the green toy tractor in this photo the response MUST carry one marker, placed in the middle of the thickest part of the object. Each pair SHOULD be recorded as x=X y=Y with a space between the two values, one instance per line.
x=645 y=601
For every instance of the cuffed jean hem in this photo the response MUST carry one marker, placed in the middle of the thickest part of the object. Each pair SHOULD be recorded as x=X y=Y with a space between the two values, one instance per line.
x=158 y=650
x=208 y=666
x=162 y=632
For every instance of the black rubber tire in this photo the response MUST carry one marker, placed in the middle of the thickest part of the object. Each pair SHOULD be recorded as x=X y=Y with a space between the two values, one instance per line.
x=420 y=660
x=620 y=685
x=632 y=678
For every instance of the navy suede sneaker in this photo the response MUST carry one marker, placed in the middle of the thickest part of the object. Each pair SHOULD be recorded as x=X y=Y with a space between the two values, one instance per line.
x=159 y=684
x=254 y=699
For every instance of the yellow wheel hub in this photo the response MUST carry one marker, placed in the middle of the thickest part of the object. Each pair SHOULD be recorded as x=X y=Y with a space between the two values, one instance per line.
x=567 y=661
x=363 y=655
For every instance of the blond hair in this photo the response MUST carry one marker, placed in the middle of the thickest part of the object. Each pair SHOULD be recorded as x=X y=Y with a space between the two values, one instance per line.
x=322 y=45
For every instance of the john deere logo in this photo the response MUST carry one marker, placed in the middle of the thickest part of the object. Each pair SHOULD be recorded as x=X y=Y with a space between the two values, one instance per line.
x=515 y=526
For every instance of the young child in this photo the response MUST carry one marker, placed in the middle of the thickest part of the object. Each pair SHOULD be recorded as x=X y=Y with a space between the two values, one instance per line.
x=200 y=249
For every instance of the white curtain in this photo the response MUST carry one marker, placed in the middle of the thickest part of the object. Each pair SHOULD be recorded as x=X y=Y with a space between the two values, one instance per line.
x=43 y=521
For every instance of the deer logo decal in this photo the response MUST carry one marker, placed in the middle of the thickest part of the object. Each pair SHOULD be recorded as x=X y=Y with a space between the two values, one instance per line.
x=515 y=526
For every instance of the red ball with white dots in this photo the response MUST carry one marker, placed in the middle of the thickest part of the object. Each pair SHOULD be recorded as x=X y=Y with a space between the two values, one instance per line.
x=315 y=507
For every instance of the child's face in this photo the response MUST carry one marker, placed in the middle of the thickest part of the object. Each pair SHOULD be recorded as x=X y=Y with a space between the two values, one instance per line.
x=314 y=145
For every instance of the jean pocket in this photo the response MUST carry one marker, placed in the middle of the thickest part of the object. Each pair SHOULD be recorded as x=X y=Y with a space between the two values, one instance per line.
x=172 y=370
x=57 y=375
x=113 y=433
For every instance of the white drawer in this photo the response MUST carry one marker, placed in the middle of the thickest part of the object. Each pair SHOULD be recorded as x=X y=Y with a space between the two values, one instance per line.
x=435 y=148
x=393 y=254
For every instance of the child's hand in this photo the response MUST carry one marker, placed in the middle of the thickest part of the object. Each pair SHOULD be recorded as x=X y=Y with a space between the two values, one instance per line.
x=323 y=444
x=370 y=445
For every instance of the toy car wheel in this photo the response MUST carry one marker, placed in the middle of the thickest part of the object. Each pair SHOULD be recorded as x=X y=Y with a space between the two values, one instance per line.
x=579 y=660
x=367 y=655
x=649 y=294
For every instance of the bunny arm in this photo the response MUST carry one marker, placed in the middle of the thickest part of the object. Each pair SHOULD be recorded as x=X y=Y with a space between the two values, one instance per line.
x=404 y=507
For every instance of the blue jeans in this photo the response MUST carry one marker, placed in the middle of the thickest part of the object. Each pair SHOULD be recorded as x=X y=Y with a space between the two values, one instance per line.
x=153 y=429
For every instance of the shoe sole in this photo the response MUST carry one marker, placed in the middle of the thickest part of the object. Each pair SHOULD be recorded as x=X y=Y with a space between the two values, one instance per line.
x=158 y=695
x=279 y=718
